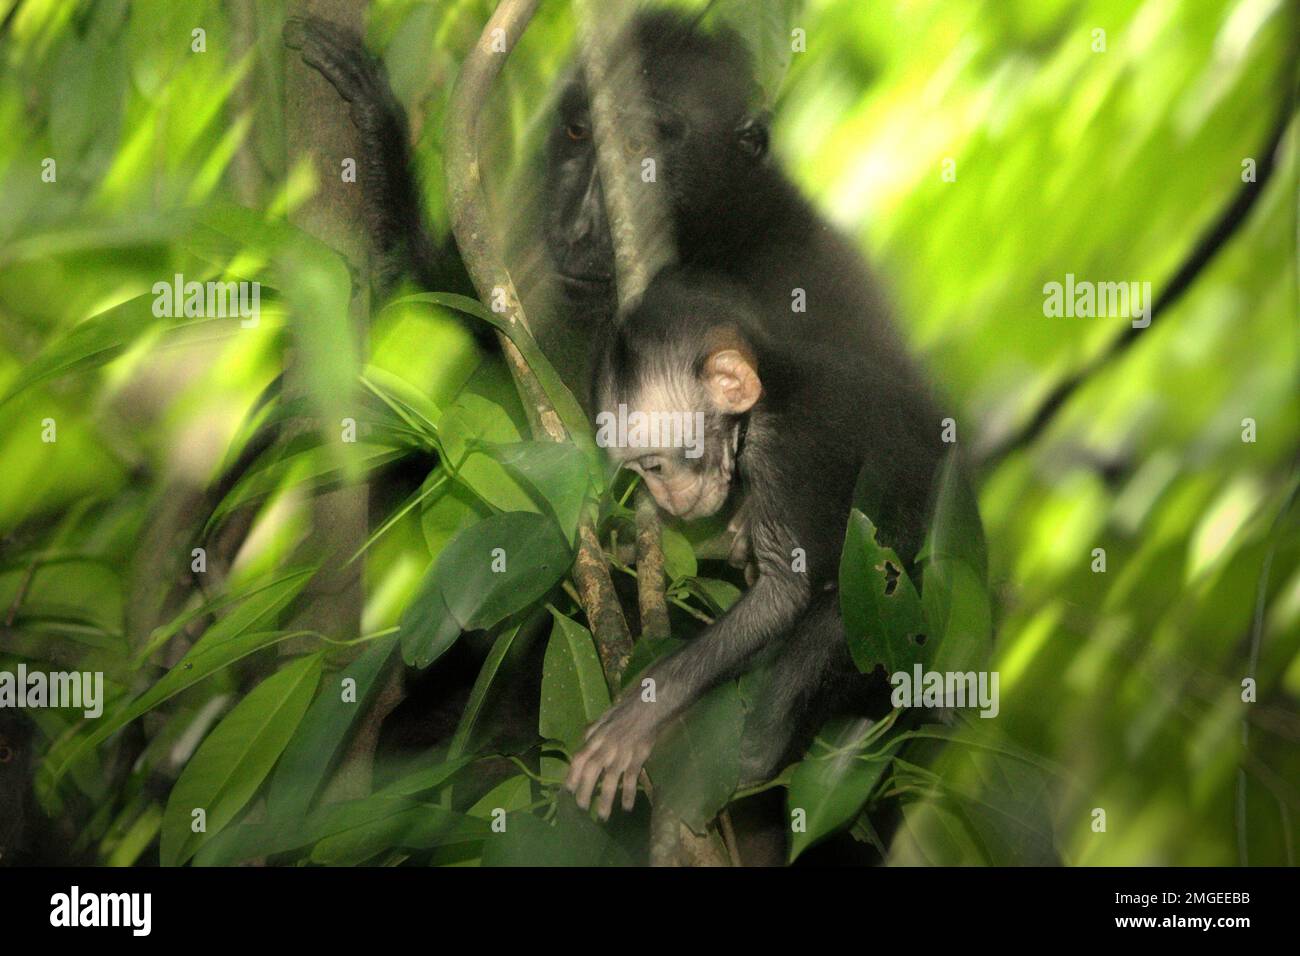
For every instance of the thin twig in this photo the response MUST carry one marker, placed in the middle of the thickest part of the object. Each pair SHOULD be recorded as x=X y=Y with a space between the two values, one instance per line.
x=651 y=580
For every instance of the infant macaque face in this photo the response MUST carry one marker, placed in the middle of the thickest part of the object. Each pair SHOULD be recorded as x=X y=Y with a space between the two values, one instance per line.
x=684 y=456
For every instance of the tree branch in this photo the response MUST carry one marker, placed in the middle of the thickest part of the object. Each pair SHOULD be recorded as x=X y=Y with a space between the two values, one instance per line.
x=319 y=131
x=625 y=138
x=1206 y=248
x=639 y=227
x=650 y=579
x=638 y=219
x=479 y=249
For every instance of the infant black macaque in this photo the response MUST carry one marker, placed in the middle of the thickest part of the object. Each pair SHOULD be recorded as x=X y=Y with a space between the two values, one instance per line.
x=795 y=409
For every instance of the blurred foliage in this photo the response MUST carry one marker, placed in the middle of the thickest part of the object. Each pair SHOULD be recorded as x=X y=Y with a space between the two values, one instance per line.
x=1121 y=690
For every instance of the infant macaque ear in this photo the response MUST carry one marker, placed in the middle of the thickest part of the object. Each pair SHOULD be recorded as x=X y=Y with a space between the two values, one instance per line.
x=732 y=381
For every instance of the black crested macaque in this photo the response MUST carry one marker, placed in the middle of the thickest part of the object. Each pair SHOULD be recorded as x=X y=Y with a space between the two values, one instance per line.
x=725 y=199
x=796 y=412
x=775 y=310
x=774 y=328
x=732 y=210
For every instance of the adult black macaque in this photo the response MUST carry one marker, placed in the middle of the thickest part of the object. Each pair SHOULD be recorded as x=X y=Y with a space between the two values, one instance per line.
x=725 y=198
x=798 y=411
x=732 y=210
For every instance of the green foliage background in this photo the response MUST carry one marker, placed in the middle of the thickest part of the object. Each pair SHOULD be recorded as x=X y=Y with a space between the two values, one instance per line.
x=1121 y=691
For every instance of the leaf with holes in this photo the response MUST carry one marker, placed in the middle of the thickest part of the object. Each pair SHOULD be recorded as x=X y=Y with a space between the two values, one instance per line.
x=883 y=618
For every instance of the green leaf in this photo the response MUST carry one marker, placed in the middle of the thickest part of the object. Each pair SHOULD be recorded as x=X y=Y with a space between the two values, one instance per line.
x=558 y=473
x=958 y=611
x=566 y=406
x=933 y=834
x=406 y=401
x=959 y=615
x=307 y=463
x=833 y=782
x=719 y=595
x=679 y=556
x=956 y=532
x=427 y=628
x=473 y=423
x=696 y=765
x=317 y=290
x=1008 y=806
x=235 y=758
x=426 y=778
x=883 y=618
x=765 y=27
x=646 y=651
x=248 y=840
x=312 y=752
x=418 y=827
x=455 y=509
x=365 y=827
x=94 y=342
x=501 y=565
x=227 y=641
x=487 y=572
x=510 y=795
x=993 y=810
x=573 y=684
x=478 y=693
x=571 y=839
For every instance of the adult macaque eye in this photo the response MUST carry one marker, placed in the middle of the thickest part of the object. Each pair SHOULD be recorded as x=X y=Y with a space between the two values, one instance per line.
x=6 y=753
x=576 y=132
x=652 y=466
